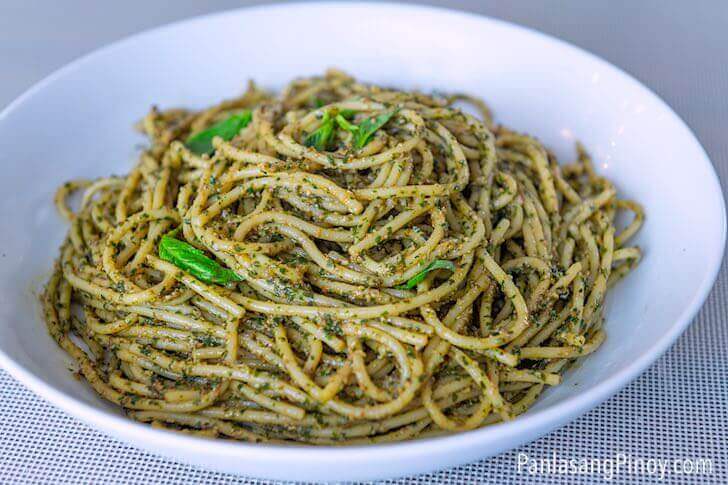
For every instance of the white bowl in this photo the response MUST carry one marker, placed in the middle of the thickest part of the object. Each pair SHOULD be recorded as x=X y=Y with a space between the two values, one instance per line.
x=78 y=123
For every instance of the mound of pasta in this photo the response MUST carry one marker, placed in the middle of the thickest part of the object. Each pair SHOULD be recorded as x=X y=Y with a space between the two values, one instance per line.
x=341 y=263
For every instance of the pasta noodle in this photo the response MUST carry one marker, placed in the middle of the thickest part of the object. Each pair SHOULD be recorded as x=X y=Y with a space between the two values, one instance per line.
x=340 y=264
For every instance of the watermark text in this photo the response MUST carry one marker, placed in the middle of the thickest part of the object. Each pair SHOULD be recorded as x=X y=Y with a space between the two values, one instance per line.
x=613 y=466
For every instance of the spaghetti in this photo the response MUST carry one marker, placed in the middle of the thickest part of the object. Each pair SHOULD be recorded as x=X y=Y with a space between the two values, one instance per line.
x=340 y=264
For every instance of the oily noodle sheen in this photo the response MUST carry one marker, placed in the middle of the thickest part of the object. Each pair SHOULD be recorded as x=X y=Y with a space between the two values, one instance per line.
x=321 y=341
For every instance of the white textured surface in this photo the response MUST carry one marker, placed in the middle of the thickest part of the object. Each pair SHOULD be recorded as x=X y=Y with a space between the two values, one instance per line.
x=676 y=410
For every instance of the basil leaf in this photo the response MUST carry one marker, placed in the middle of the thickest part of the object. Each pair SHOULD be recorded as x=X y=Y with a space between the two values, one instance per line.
x=321 y=138
x=192 y=260
x=369 y=126
x=201 y=142
x=343 y=123
x=417 y=279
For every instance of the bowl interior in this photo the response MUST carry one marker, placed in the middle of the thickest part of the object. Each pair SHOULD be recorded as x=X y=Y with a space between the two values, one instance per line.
x=79 y=122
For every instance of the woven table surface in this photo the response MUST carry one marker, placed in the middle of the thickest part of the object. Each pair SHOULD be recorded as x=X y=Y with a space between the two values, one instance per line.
x=670 y=425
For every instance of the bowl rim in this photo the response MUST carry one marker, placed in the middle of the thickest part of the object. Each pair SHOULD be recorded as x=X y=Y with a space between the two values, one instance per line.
x=545 y=419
